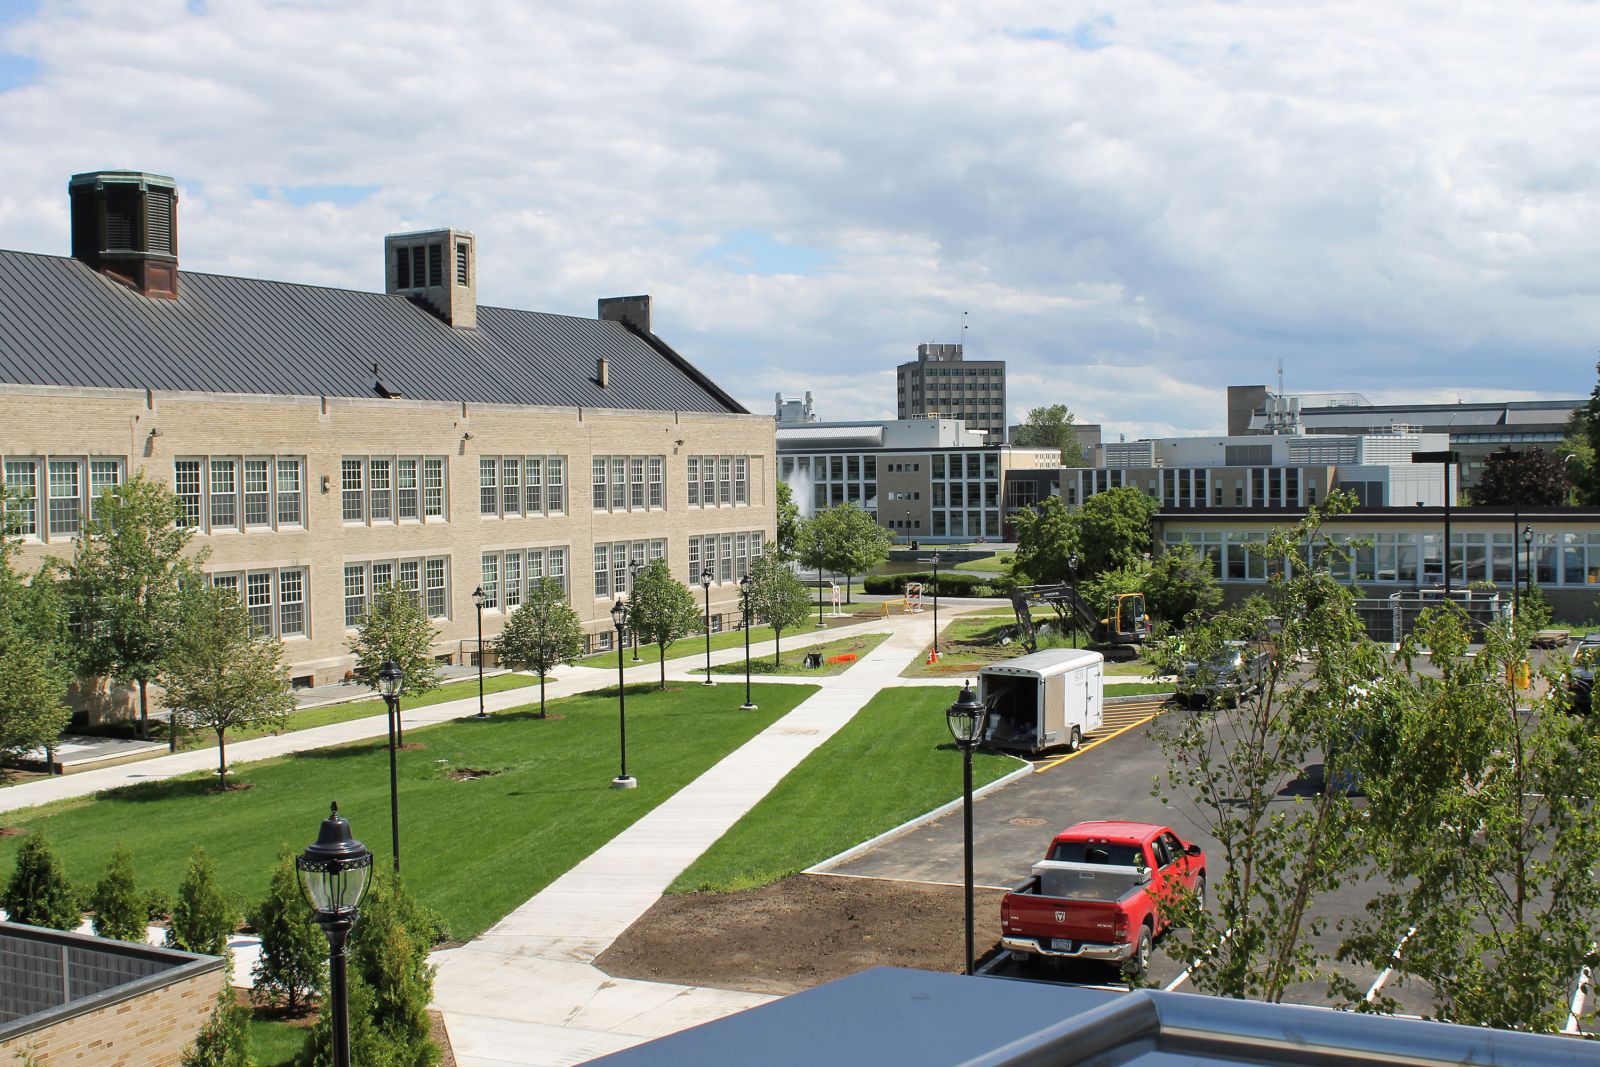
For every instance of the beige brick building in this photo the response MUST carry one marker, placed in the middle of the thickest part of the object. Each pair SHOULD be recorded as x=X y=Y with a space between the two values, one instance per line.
x=324 y=442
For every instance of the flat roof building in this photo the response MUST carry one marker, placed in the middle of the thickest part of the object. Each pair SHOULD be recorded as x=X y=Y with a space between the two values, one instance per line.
x=942 y=383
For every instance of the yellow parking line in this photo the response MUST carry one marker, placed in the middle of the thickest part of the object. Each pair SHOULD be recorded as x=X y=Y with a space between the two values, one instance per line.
x=1059 y=760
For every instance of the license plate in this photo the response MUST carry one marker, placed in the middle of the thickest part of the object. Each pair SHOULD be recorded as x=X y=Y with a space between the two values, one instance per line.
x=1063 y=944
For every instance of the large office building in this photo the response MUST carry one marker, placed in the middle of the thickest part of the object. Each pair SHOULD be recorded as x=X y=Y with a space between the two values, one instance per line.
x=323 y=443
x=941 y=384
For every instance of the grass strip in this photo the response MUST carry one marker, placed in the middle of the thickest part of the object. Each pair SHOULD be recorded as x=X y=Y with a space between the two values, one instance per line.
x=794 y=659
x=276 y=1044
x=689 y=646
x=892 y=762
x=473 y=849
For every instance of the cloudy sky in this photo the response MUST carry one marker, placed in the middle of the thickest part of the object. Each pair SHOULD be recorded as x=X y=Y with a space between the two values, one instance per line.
x=1136 y=204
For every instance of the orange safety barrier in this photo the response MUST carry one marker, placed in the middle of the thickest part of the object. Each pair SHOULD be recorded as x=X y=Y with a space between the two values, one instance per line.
x=843 y=657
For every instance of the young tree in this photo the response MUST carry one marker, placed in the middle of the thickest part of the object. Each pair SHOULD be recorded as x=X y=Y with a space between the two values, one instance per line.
x=1228 y=772
x=119 y=910
x=1047 y=537
x=124 y=586
x=1051 y=427
x=394 y=627
x=39 y=892
x=542 y=634
x=1530 y=478
x=855 y=543
x=661 y=609
x=1114 y=529
x=34 y=654
x=777 y=598
x=224 y=1040
x=1180 y=582
x=369 y=1046
x=789 y=521
x=221 y=676
x=389 y=950
x=202 y=917
x=1583 y=442
x=293 y=953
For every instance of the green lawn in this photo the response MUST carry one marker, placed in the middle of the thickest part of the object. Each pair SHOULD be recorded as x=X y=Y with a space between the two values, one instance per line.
x=472 y=849
x=1128 y=689
x=276 y=1044
x=1000 y=563
x=971 y=642
x=794 y=658
x=892 y=762
x=690 y=646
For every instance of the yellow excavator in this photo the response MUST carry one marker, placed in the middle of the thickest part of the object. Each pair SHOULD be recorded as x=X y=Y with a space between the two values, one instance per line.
x=1125 y=621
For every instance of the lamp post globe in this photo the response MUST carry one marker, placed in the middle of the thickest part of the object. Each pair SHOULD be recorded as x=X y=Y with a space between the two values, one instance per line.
x=391 y=681
x=744 y=597
x=334 y=872
x=623 y=780
x=965 y=718
x=478 y=598
x=705 y=584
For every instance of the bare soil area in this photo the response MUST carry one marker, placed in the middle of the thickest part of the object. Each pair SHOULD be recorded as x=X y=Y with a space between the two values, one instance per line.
x=800 y=932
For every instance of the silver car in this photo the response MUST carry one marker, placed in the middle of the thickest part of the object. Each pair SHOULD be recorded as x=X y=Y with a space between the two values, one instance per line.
x=1237 y=671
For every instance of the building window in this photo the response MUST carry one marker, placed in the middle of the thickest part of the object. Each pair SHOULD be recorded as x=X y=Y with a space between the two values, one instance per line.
x=433 y=488
x=22 y=479
x=533 y=486
x=626 y=478
x=513 y=577
x=352 y=493
x=598 y=470
x=491 y=580
x=657 y=481
x=602 y=572
x=355 y=595
x=104 y=474
x=380 y=486
x=291 y=603
x=258 y=602
x=636 y=483
x=438 y=594
x=290 y=508
x=619 y=483
x=406 y=485
x=527 y=486
x=66 y=497
x=694 y=481
x=223 y=494
x=280 y=615
x=361 y=580
x=511 y=487
x=555 y=477
x=741 y=480
x=489 y=487
x=186 y=479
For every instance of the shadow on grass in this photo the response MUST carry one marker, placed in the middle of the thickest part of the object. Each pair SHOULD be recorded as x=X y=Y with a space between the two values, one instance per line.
x=166 y=789
x=344 y=751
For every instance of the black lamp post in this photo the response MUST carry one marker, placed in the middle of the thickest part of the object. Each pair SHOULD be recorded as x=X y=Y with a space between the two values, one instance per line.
x=1527 y=548
x=705 y=584
x=744 y=597
x=623 y=780
x=1072 y=571
x=1509 y=455
x=633 y=579
x=908 y=526
x=965 y=718
x=1448 y=460
x=934 y=559
x=478 y=598
x=390 y=683
x=334 y=873
x=819 y=579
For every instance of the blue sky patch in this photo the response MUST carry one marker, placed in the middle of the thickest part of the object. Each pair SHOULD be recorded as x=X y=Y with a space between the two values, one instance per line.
x=16 y=70
x=1086 y=36
x=301 y=195
x=759 y=252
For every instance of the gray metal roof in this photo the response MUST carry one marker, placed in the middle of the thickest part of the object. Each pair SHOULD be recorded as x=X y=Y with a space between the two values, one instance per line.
x=63 y=324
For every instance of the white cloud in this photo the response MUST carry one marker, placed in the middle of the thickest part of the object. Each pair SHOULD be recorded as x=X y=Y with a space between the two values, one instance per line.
x=1391 y=198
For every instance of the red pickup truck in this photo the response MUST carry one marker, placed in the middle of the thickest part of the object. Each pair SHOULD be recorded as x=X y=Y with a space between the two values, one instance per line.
x=1099 y=892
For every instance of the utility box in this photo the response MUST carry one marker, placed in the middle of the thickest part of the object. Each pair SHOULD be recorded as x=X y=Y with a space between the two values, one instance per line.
x=1044 y=700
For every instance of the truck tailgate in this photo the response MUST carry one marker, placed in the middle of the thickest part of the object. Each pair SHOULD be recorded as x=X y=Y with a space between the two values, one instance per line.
x=1028 y=915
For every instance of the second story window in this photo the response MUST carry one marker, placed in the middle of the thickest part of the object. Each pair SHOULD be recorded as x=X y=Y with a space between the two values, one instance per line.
x=393 y=489
x=521 y=486
x=226 y=493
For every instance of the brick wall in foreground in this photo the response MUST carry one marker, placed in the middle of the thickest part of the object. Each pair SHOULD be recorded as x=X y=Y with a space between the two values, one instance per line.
x=152 y=1030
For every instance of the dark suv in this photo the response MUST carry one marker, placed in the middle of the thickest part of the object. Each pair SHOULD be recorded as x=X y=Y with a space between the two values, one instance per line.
x=1581 y=681
x=1235 y=672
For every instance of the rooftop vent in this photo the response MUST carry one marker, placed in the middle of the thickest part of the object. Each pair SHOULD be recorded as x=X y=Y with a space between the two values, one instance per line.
x=437 y=269
x=125 y=225
x=381 y=389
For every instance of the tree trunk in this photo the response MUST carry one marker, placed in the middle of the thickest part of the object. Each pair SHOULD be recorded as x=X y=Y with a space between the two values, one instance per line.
x=541 y=694
x=661 y=651
x=144 y=713
x=222 y=762
x=847 y=577
x=777 y=649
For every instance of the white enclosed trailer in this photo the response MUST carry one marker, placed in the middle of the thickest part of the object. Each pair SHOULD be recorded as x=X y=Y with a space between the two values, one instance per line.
x=1043 y=700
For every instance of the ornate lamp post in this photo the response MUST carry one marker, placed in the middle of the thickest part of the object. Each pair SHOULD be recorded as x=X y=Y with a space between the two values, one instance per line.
x=1072 y=570
x=819 y=579
x=334 y=873
x=934 y=559
x=965 y=718
x=633 y=578
x=1527 y=549
x=390 y=683
x=705 y=584
x=478 y=597
x=744 y=596
x=623 y=780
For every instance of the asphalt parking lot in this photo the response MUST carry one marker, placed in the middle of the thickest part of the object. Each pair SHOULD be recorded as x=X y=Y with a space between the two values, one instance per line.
x=1110 y=778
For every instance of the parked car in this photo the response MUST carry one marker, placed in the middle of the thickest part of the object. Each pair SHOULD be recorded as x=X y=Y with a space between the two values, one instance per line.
x=1237 y=670
x=1580 y=680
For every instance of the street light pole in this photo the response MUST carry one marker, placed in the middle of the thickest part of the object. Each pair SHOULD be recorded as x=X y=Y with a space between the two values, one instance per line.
x=705 y=584
x=633 y=632
x=334 y=873
x=1527 y=567
x=623 y=780
x=1448 y=459
x=390 y=682
x=478 y=597
x=819 y=580
x=965 y=718
x=1072 y=570
x=934 y=559
x=744 y=595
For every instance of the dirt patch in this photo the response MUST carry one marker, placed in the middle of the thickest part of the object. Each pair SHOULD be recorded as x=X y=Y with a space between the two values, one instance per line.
x=412 y=746
x=800 y=932
x=231 y=787
x=12 y=831
x=470 y=774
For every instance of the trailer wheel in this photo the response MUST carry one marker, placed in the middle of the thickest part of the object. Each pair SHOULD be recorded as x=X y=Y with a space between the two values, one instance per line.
x=1074 y=740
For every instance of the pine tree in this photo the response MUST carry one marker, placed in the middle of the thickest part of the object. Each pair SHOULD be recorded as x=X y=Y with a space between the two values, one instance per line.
x=202 y=918
x=119 y=910
x=293 y=952
x=224 y=1041
x=39 y=893
x=389 y=949
x=369 y=1046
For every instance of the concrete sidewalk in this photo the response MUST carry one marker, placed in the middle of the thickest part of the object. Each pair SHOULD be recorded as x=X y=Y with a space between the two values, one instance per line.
x=525 y=992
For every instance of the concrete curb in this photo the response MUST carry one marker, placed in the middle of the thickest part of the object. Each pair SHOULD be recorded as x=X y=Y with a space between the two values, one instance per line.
x=940 y=811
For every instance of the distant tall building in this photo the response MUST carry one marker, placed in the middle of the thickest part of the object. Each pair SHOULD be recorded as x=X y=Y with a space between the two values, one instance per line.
x=940 y=384
x=793 y=410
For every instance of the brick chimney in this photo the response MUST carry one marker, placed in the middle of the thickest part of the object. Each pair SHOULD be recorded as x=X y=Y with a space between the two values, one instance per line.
x=436 y=268
x=125 y=225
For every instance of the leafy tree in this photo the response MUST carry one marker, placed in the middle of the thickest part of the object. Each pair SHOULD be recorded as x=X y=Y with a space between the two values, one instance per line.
x=119 y=910
x=542 y=634
x=224 y=1040
x=1051 y=427
x=203 y=918
x=124 y=585
x=789 y=522
x=1114 y=529
x=1047 y=536
x=1227 y=773
x=34 y=655
x=811 y=543
x=40 y=893
x=1535 y=607
x=221 y=676
x=1481 y=818
x=394 y=627
x=1180 y=582
x=293 y=952
x=1530 y=478
x=1096 y=592
x=661 y=609
x=777 y=598
x=853 y=542
x=1583 y=441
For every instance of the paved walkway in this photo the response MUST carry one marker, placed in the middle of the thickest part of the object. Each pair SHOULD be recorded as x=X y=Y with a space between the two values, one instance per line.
x=526 y=992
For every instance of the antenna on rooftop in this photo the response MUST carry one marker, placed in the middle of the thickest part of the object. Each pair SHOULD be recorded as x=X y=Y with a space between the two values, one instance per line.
x=1280 y=375
x=961 y=338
